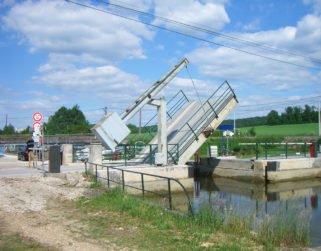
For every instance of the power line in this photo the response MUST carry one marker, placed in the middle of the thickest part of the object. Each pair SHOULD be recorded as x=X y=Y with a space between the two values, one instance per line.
x=311 y=98
x=211 y=32
x=192 y=36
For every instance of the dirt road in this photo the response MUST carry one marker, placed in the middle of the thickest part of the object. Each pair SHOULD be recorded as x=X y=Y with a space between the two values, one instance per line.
x=39 y=207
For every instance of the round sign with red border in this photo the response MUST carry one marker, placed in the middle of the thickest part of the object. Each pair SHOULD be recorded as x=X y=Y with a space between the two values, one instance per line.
x=37 y=116
x=37 y=125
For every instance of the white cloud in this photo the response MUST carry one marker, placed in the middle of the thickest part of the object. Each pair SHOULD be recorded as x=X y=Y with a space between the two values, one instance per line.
x=315 y=3
x=142 y=5
x=210 y=14
x=101 y=78
x=76 y=34
x=106 y=83
x=305 y=39
x=6 y=3
x=254 y=25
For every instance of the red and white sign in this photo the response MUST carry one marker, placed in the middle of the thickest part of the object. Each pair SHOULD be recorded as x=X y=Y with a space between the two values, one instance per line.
x=37 y=116
x=37 y=125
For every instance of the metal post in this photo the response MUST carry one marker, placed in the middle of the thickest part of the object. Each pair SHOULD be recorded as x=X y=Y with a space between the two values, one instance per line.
x=108 y=176
x=134 y=152
x=286 y=150
x=86 y=170
x=122 y=176
x=140 y=122
x=125 y=152
x=265 y=149
x=305 y=149
x=150 y=155
x=227 y=153
x=43 y=148
x=143 y=186
x=96 y=176
x=169 y=194
x=257 y=150
x=177 y=154
x=234 y=124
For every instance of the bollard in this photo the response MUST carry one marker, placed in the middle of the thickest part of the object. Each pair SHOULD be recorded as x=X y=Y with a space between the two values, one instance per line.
x=54 y=159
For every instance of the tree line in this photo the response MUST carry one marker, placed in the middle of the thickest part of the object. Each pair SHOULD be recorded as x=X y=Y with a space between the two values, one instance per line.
x=64 y=121
x=293 y=115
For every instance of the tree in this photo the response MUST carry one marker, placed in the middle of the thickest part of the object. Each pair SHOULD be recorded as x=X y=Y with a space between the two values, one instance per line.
x=297 y=113
x=273 y=118
x=26 y=131
x=288 y=116
x=8 y=130
x=307 y=114
x=133 y=128
x=67 y=121
x=315 y=115
x=252 y=131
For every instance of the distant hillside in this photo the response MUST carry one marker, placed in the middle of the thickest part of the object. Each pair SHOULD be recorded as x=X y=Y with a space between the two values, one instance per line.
x=291 y=115
x=255 y=121
x=310 y=129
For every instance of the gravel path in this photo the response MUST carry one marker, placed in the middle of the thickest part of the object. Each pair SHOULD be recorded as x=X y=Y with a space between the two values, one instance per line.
x=34 y=205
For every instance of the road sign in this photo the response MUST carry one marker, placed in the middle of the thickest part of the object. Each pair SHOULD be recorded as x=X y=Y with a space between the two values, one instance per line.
x=35 y=137
x=226 y=127
x=228 y=133
x=37 y=126
x=37 y=116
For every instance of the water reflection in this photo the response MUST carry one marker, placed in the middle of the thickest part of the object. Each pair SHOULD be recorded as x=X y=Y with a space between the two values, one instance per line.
x=299 y=198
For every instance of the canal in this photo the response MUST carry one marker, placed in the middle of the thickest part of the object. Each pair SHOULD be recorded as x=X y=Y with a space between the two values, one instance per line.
x=290 y=204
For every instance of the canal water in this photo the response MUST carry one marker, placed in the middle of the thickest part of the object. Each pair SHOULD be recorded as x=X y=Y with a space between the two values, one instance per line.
x=297 y=201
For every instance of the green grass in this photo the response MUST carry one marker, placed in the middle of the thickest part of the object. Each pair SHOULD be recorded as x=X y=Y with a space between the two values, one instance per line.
x=142 y=226
x=310 y=129
x=143 y=137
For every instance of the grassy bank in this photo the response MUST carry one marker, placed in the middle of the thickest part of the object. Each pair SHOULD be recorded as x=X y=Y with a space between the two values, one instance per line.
x=131 y=222
x=310 y=129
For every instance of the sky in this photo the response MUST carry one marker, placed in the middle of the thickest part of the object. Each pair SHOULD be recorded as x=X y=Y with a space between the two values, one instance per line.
x=58 y=53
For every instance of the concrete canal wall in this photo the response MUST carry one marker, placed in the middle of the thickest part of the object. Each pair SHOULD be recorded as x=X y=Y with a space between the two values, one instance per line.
x=293 y=169
x=183 y=173
x=261 y=170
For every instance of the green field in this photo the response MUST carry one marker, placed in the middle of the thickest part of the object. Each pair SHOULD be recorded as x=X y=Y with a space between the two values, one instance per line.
x=310 y=129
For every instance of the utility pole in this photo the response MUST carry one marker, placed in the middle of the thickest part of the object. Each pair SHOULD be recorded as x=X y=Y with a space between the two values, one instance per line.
x=6 y=119
x=234 y=124
x=140 y=122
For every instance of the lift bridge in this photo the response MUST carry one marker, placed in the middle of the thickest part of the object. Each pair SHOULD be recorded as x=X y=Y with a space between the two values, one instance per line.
x=182 y=128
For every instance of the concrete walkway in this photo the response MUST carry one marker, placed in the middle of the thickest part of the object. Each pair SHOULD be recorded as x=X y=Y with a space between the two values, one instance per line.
x=11 y=166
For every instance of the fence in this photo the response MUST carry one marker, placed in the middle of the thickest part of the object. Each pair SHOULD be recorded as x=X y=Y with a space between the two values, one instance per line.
x=279 y=150
x=12 y=148
x=80 y=152
x=140 y=179
x=133 y=154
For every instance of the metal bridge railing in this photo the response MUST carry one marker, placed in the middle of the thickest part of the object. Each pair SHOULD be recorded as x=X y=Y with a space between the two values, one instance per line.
x=279 y=150
x=209 y=110
x=142 y=177
x=130 y=154
x=174 y=105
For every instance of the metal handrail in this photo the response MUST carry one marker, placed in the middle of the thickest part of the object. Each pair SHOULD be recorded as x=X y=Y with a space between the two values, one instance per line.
x=285 y=144
x=178 y=105
x=152 y=150
x=142 y=188
x=214 y=109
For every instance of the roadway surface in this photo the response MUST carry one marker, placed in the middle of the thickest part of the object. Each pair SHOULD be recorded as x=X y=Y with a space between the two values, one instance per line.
x=11 y=166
